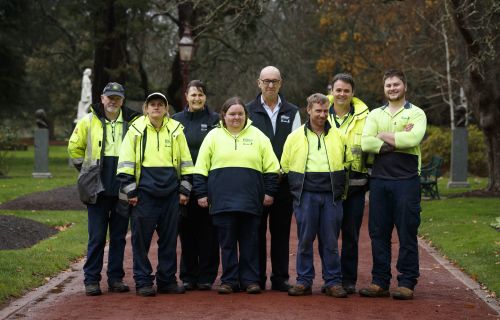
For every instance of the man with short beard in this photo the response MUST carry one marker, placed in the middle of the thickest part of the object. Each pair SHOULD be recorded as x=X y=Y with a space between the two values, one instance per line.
x=393 y=133
x=96 y=140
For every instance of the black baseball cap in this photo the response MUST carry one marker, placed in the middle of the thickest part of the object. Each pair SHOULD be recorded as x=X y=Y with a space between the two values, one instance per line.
x=114 y=89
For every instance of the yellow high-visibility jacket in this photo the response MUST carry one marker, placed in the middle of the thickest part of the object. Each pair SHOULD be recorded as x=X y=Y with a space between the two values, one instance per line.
x=295 y=154
x=236 y=172
x=155 y=160
x=405 y=160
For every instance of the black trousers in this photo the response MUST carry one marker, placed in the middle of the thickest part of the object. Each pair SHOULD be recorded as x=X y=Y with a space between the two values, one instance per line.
x=279 y=216
x=199 y=244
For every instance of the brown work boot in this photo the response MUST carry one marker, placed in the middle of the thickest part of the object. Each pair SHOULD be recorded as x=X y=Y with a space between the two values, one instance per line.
x=225 y=288
x=374 y=291
x=402 y=293
x=299 y=290
x=336 y=291
x=253 y=288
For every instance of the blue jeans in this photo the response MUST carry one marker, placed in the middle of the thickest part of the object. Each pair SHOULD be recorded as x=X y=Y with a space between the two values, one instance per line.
x=160 y=214
x=238 y=231
x=395 y=203
x=101 y=216
x=353 y=207
x=319 y=215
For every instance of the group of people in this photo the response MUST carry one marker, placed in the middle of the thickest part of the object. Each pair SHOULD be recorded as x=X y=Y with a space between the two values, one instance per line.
x=220 y=182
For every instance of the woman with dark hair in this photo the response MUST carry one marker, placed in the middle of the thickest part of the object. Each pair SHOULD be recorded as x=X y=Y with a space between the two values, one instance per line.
x=236 y=175
x=200 y=249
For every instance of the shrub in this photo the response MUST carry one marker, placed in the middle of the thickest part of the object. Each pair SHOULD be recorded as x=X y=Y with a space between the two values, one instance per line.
x=438 y=142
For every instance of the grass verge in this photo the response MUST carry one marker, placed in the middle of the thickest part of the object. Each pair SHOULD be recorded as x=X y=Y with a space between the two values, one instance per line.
x=21 y=163
x=21 y=270
x=460 y=229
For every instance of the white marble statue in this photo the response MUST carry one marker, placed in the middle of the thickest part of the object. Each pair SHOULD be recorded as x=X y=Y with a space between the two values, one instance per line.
x=86 y=96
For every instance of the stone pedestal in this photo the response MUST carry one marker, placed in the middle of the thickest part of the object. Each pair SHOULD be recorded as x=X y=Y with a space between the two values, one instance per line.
x=42 y=154
x=459 y=155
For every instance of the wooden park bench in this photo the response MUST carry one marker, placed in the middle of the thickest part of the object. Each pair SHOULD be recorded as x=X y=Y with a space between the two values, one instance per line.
x=429 y=175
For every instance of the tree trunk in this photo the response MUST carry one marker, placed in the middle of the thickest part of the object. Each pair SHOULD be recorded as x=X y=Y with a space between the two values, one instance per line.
x=186 y=16
x=110 y=55
x=481 y=78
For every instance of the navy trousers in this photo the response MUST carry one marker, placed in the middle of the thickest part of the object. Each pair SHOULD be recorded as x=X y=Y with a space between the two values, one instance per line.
x=353 y=207
x=280 y=219
x=101 y=216
x=395 y=203
x=318 y=215
x=238 y=231
x=160 y=214
x=200 y=246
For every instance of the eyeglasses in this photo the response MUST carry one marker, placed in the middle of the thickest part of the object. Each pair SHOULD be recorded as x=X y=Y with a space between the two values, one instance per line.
x=267 y=82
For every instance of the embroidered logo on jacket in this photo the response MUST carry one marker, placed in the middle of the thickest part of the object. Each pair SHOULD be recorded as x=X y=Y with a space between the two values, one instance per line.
x=285 y=119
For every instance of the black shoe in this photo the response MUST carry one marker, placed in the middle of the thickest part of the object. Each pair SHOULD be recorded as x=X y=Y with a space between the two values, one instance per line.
x=145 y=291
x=189 y=286
x=350 y=288
x=172 y=288
x=204 y=286
x=253 y=288
x=93 y=289
x=118 y=286
x=299 y=290
x=280 y=286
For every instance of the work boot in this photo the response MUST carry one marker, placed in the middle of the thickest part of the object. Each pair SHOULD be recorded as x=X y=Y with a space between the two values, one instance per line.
x=172 y=288
x=148 y=291
x=402 y=293
x=282 y=286
x=93 y=289
x=118 y=286
x=204 y=286
x=336 y=291
x=374 y=291
x=299 y=290
x=225 y=288
x=253 y=288
x=189 y=286
x=350 y=288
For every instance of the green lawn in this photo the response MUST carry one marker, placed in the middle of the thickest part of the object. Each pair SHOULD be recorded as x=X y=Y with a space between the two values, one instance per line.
x=460 y=229
x=21 y=270
x=20 y=182
x=475 y=183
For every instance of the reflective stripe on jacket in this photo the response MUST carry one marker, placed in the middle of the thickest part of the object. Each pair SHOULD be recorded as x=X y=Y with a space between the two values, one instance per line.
x=236 y=172
x=295 y=153
x=131 y=159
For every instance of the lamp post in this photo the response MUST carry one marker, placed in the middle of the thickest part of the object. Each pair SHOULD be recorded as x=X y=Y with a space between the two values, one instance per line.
x=186 y=48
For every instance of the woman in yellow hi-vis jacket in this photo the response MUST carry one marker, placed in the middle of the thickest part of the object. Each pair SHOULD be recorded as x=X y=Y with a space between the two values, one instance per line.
x=154 y=168
x=236 y=175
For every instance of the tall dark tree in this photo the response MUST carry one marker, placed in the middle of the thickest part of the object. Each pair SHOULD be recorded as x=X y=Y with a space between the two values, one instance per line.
x=110 y=53
x=478 y=22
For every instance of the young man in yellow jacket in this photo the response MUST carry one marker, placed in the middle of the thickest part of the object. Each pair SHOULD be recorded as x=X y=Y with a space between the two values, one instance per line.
x=393 y=133
x=314 y=160
x=348 y=114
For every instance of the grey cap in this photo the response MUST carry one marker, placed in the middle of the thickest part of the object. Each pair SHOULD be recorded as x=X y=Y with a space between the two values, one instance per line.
x=114 y=89
x=157 y=95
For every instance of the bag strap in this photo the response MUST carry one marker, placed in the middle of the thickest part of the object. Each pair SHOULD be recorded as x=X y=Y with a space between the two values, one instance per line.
x=88 y=154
